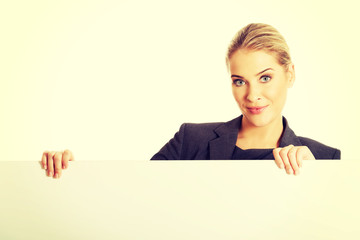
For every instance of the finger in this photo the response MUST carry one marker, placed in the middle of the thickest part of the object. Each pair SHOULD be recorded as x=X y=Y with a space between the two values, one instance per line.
x=277 y=158
x=67 y=156
x=292 y=155
x=308 y=155
x=50 y=164
x=304 y=153
x=57 y=164
x=300 y=156
x=72 y=158
x=44 y=160
x=284 y=156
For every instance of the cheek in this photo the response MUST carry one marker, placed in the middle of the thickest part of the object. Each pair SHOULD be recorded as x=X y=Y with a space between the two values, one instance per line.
x=237 y=94
x=273 y=94
x=277 y=94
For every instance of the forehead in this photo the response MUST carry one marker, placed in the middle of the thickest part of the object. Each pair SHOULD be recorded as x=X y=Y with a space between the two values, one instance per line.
x=245 y=61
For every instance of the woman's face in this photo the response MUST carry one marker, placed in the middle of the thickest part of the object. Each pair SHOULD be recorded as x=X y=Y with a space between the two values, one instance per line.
x=259 y=85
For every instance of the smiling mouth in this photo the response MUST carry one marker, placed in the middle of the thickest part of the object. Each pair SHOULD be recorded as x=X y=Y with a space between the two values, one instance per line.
x=256 y=110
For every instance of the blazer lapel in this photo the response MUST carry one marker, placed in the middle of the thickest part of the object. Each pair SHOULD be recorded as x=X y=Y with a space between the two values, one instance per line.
x=223 y=146
x=288 y=136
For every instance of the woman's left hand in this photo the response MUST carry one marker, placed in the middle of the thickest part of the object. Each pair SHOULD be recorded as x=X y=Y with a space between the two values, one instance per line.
x=291 y=158
x=54 y=162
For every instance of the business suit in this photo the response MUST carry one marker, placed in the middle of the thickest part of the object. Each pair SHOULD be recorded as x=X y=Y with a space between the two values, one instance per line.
x=211 y=141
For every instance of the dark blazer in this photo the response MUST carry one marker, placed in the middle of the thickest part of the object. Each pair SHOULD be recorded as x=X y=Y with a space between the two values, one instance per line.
x=207 y=141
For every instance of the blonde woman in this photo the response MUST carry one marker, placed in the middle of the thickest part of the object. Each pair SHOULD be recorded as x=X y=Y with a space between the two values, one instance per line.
x=261 y=71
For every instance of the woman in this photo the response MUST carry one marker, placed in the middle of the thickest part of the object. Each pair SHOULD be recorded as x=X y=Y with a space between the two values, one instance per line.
x=261 y=72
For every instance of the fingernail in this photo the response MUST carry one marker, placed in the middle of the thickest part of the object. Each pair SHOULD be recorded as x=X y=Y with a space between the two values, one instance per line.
x=56 y=175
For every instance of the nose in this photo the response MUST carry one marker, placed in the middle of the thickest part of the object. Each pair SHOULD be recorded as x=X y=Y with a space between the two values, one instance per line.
x=253 y=94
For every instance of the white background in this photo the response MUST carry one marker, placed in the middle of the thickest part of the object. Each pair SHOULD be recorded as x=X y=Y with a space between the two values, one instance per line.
x=115 y=79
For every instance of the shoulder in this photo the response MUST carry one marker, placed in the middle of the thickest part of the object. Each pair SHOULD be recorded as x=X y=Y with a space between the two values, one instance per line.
x=320 y=150
x=190 y=142
x=196 y=136
x=212 y=129
x=199 y=130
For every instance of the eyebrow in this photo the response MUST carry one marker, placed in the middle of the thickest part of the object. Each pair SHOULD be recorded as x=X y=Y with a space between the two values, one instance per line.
x=238 y=76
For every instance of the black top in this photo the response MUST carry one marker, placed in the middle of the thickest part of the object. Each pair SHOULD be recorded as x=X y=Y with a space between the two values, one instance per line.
x=250 y=154
x=207 y=141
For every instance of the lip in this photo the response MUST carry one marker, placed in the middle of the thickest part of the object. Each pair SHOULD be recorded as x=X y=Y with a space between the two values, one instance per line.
x=256 y=110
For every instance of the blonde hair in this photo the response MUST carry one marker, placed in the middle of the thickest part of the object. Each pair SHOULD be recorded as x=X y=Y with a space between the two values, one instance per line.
x=260 y=36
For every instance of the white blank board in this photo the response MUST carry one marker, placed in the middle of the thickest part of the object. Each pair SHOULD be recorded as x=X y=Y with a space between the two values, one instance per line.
x=180 y=200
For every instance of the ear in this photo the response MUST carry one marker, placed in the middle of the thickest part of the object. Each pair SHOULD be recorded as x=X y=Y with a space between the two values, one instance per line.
x=291 y=74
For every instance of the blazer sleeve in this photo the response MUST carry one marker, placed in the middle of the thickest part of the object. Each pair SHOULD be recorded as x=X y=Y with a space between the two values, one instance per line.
x=172 y=150
x=337 y=154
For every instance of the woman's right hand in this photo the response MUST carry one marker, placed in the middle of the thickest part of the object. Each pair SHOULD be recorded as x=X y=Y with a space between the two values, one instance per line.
x=55 y=162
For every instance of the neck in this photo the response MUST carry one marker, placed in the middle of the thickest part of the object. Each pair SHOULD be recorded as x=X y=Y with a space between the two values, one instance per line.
x=251 y=136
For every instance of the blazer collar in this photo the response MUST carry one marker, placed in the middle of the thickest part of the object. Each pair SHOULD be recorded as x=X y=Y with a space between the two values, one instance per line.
x=288 y=136
x=223 y=146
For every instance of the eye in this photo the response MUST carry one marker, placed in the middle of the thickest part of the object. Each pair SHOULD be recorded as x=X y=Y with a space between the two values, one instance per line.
x=265 y=79
x=239 y=82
